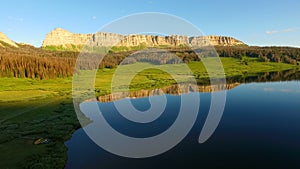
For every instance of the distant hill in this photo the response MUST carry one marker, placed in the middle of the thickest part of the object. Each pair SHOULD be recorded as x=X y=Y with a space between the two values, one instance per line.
x=4 y=41
x=63 y=39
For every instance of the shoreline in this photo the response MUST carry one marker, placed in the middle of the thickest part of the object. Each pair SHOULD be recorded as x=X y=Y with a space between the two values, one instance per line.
x=58 y=121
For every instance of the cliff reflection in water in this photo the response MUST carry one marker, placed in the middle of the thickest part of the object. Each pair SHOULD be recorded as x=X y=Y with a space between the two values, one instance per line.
x=232 y=82
x=173 y=90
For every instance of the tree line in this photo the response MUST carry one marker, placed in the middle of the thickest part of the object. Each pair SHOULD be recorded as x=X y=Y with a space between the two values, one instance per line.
x=27 y=61
x=267 y=54
x=30 y=62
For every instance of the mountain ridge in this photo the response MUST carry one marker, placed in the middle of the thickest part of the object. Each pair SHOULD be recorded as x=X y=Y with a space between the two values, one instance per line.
x=65 y=38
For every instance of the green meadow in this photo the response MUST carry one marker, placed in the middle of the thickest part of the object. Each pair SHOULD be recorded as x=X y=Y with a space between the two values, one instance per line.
x=31 y=109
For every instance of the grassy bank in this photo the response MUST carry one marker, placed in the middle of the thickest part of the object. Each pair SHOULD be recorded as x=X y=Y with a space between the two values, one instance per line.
x=155 y=76
x=32 y=109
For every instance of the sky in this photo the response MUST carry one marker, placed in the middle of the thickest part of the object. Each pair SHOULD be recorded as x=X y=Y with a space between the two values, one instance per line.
x=255 y=22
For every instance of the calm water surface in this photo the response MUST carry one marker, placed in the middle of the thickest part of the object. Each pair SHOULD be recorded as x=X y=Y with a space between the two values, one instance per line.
x=260 y=128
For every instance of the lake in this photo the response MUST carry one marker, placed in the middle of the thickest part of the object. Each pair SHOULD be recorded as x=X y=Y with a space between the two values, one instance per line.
x=259 y=128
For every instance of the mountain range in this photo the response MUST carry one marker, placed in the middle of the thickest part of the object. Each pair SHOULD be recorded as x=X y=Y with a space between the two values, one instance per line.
x=64 y=39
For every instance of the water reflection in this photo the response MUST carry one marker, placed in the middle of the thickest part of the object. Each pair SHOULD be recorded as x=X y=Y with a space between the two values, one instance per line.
x=287 y=75
x=232 y=82
x=172 y=90
x=259 y=129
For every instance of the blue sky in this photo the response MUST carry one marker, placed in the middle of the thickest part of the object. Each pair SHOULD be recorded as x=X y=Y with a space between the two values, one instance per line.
x=256 y=22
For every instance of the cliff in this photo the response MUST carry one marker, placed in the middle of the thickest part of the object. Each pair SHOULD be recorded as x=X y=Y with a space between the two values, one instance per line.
x=5 y=39
x=64 y=38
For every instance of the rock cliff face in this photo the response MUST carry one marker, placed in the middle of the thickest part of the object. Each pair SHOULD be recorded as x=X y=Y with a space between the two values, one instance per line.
x=61 y=37
x=5 y=39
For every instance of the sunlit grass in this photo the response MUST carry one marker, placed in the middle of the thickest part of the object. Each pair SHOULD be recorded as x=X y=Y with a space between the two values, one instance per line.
x=31 y=108
x=139 y=75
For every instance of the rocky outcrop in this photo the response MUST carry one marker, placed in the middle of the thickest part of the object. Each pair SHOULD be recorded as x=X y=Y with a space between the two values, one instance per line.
x=6 y=40
x=61 y=37
x=215 y=41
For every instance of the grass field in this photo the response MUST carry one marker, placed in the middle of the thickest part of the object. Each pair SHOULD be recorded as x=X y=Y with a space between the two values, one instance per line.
x=32 y=109
x=149 y=76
